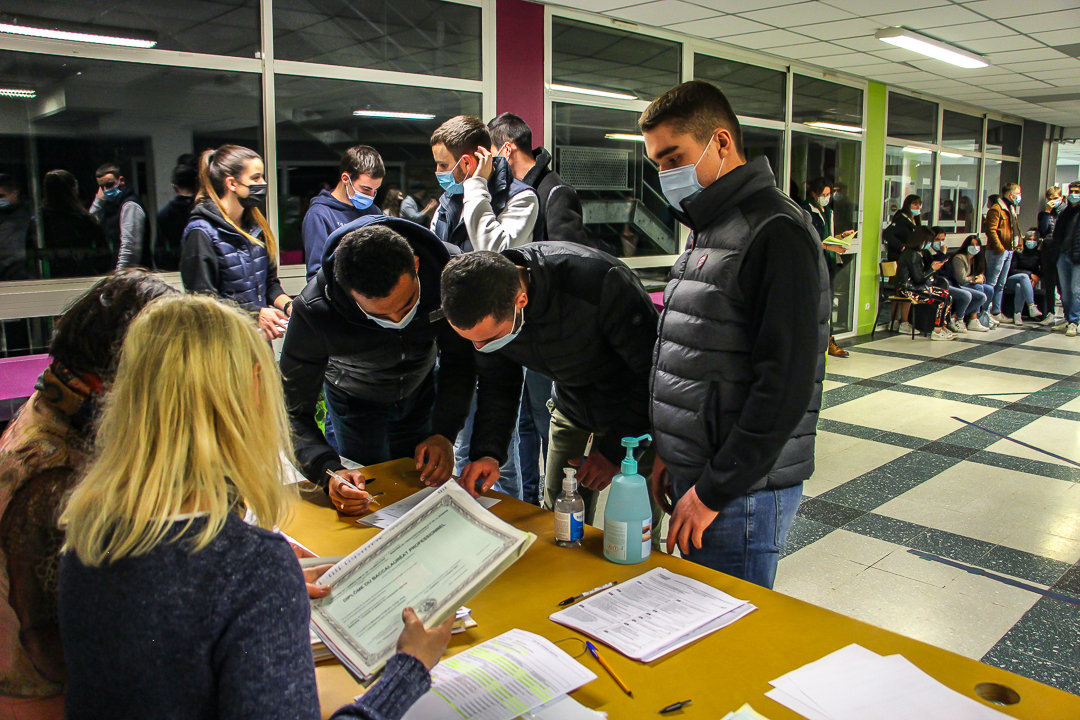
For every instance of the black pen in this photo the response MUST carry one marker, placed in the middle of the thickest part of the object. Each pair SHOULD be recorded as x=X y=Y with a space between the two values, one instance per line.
x=587 y=593
x=674 y=706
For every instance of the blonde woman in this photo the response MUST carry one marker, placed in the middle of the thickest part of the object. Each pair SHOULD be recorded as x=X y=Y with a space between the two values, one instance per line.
x=227 y=248
x=170 y=605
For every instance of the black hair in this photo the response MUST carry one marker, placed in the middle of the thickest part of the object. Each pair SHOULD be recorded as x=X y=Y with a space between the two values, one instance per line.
x=938 y=230
x=818 y=185
x=462 y=135
x=186 y=176
x=371 y=261
x=8 y=182
x=978 y=262
x=362 y=160
x=479 y=285
x=108 y=168
x=922 y=235
x=697 y=108
x=508 y=127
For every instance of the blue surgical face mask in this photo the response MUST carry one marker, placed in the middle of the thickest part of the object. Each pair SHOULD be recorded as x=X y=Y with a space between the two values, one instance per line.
x=973 y=249
x=936 y=245
x=681 y=183
x=4 y=203
x=1030 y=244
x=361 y=201
x=1074 y=198
x=502 y=342
x=112 y=193
x=915 y=212
x=400 y=324
x=447 y=181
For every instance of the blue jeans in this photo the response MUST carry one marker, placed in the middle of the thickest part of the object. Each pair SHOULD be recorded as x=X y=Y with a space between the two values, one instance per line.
x=533 y=421
x=509 y=477
x=746 y=538
x=963 y=300
x=1023 y=294
x=986 y=292
x=997 y=272
x=370 y=432
x=1069 y=287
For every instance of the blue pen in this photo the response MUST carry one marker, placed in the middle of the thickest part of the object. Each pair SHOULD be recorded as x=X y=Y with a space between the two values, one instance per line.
x=592 y=651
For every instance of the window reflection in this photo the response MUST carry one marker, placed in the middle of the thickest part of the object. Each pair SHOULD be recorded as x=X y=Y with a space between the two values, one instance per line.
x=957 y=193
x=908 y=171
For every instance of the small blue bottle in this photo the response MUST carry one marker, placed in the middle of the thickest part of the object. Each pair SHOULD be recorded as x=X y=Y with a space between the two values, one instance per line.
x=628 y=514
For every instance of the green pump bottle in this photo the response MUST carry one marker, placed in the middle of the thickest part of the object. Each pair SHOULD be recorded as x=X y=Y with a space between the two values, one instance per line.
x=628 y=514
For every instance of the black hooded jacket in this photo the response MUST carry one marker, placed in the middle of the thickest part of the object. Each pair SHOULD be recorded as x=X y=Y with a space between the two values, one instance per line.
x=331 y=339
x=561 y=218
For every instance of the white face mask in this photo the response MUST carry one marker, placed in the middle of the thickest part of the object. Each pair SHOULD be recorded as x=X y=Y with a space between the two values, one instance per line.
x=824 y=200
x=499 y=343
x=403 y=322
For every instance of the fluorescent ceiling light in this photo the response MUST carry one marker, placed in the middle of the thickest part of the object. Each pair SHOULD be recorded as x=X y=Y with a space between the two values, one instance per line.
x=625 y=136
x=53 y=34
x=17 y=93
x=918 y=151
x=951 y=155
x=392 y=114
x=836 y=126
x=902 y=37
x=590 y=91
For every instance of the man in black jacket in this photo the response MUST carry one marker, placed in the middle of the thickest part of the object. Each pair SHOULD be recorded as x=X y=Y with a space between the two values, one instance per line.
x=574 y=314
x=1067 y=241
x=736 y=386
x=369 y=327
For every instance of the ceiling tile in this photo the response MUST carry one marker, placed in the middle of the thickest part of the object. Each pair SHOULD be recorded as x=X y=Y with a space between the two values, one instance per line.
x=1054 y=72
x=719 y=28
x=811 y=50
x=663 y=12
x=1011 y=8
x=969 y=31
x=1001 y=44
x=738 y=6
x=880 y=7
x=852 y=60
x=596 y=5
x=802 y=14
x=772 y=39
x=1061 y=82
x=839 y=29
x=938 y=17
x=1039 y=53
x=1046 y=21
x=863 y=44
x=1056 y=37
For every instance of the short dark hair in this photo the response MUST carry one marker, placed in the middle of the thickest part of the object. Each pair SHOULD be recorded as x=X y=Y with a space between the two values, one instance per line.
x=1008 y=188
x=696 y=108
x=479 y=285
x=818 y=185
x=462 y=134
x=1074 y=184
x=90 y=332
x=109 y=168
x=938 y=230
x=362 y=160
x=8 y=182
x=922 y=235
x=508 y=127
x=372 y=260
x=186 y=177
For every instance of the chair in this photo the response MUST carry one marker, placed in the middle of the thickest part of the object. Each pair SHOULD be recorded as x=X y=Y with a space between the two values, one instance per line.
x=888 y=271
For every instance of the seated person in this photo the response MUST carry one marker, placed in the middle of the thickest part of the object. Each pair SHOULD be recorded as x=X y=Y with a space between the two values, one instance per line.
x=42 y=453
x=170 y=604
x=1023 y=274
x=916 y=282
x=964 y=300
x=969 y=271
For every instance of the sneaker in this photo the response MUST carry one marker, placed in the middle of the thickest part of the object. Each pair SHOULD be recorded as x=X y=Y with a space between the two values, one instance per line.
x=988 y=321
x=905 y=328
x=956 y=327
x=1071 y=330
x=941 y=334
x=1005 y=320
x=1033 y=311
x=975 y=326
x=1050 y=320
x=998 y=318
x=1018 y=319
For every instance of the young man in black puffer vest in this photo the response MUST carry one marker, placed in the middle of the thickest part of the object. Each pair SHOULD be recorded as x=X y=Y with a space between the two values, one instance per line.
x=738 y=368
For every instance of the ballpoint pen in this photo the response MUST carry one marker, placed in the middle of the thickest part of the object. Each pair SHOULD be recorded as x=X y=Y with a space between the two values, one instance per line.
x=673 y=707
x=603 y=662
x=345 y=482
x=588 y=593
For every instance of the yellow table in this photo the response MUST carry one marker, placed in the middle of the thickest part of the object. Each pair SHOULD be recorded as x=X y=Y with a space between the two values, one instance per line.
x=719 y=673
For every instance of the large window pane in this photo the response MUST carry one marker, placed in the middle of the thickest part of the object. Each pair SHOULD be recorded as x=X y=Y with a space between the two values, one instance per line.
x=999 y=172
x=908 y=171
x=838 y=161
x=315 y=125
x=958 y=201
x=1067 y=169
x=963 y=132
x=762 y=141
x=912 y=119
x=1003 y=138
x=625 y=212
x=753 y=91
x=215 y=27
x=88 y=112
x=817 y=100
x=428 y=37
x=600 y=58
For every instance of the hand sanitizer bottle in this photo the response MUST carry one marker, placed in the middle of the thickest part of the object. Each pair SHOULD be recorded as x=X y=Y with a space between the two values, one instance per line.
x=628 y=514
x=569 y=513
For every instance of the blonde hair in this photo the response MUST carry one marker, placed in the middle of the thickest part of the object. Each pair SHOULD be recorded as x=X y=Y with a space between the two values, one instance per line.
x=195 y=422
x=231 y=161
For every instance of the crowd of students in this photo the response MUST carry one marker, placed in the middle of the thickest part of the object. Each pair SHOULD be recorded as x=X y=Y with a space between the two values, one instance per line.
x=132 y=584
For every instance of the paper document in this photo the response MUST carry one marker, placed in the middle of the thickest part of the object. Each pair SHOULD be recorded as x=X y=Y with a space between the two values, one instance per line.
x=392 y=513
x=653 y=614
x=745 y=713
x=500 y=679
x=563 y=708
x=434 y=559
x=856 y=684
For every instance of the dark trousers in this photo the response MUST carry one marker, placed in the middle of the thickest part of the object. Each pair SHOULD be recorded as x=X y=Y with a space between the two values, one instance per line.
x=533 y=421
x=1049 y=277
x=372 y=432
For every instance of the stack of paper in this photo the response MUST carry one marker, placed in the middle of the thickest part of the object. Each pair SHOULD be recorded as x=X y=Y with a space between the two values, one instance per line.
x=857 y=684
x=653 y=614
x=318 y=648
x=463 y=621
x=501 y=679
x=744 y=713
x=392 y=513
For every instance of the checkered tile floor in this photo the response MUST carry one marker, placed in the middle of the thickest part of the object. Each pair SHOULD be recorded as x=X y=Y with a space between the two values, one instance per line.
x=926 y=526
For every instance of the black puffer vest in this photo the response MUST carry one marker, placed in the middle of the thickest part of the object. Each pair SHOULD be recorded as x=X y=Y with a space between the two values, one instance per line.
x=448 y=224
x=243 y=266
x=702 y=370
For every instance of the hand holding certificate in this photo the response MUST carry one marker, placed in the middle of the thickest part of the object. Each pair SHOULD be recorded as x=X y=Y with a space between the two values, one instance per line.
x=436 y=557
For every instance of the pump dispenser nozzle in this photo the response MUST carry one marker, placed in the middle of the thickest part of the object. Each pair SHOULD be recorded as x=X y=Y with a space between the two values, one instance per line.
x=629 y=464
x=569 y=483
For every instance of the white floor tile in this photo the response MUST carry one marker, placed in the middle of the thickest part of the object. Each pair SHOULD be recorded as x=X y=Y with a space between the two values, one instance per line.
x=1021 y=359
x=851 y=461
x=831 y=385
x=864 y=365
x=1056 y=435
x=917 y=415
x=970 y=380
x=852 y=546
x=918 y=346
x=995 y=334
x=1056 y=340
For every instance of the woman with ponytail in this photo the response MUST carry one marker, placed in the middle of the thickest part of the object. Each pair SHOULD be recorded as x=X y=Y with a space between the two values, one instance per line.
x=228 y=249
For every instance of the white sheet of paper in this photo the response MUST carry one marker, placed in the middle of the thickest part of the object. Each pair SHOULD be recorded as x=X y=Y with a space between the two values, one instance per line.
x=796 y=705
x=500 y=679
x=392 y=513
x=563 y=708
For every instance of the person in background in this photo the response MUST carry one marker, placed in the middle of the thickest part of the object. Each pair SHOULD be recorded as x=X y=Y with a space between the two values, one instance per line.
x=368 y=329
x=965 y=213
x=17 y=233
x=969 y=271
x=173 y=218
x=1048 y=251
x=483 y=206
x=117 y=208
x=819 y=204
x=916 y=282
x=74 y=241
x=392 y=203
x=361 y=173
x=43 y=453
x=1002 y=229
x=964 y=300
x=417 y=207
x=738 y=368
x=1023 y=276
x=161 y=580
x=903 y=224
x=1067 y=240
x=228 y=249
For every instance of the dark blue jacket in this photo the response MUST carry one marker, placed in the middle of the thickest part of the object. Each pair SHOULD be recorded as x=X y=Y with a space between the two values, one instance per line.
x=218 y=260
x=325 y=215
x=449 y=226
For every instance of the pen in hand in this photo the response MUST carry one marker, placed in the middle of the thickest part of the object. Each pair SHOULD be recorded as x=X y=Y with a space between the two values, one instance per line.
x=348 y=484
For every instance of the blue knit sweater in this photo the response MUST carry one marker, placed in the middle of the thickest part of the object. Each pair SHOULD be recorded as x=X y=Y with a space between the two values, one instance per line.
x=221 y=633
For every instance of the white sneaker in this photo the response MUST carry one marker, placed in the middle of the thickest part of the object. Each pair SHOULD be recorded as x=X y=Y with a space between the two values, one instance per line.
x=1005 y=320
x=956 y=327
x=1018 y=319
x=1071 y=330
x=975 y=326
x=998 y=318
x=1033 y=311
x=941 y=334
x=1050 y=320
x=905 y=328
